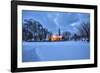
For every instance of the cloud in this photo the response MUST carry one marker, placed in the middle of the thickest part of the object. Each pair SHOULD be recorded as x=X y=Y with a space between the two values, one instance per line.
x=54 y=18
x=75 y=24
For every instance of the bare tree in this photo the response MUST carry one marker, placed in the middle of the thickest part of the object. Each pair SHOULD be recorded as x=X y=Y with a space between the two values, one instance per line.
x=84 y=31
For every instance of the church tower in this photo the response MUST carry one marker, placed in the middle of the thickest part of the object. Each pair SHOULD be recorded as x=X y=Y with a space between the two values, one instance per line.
x=59 y=32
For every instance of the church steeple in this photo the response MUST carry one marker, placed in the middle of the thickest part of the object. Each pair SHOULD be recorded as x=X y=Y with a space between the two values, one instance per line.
x=59 y=32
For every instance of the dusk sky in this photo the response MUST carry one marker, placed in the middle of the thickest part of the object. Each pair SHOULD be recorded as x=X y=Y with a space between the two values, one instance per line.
x=66 y=21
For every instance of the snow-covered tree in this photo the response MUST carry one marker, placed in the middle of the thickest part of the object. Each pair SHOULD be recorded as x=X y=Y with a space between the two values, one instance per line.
x=33 y=30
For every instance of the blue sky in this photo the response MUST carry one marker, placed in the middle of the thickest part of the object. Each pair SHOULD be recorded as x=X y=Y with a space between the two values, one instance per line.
x=66 y=21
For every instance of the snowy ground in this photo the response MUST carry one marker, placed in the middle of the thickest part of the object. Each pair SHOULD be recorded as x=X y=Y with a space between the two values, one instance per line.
x=52 y=51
